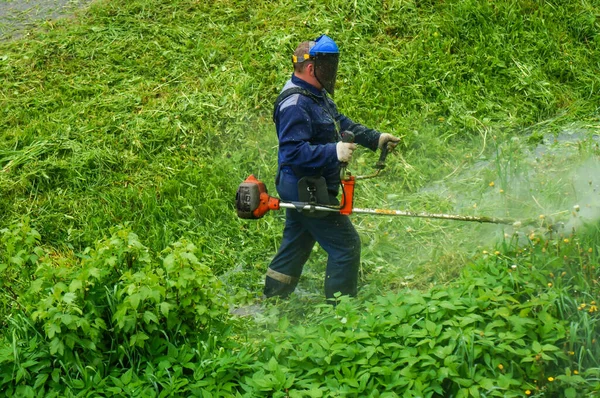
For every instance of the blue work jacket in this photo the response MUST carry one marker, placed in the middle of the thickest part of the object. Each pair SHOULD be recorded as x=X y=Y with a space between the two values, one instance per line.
x=308 y=128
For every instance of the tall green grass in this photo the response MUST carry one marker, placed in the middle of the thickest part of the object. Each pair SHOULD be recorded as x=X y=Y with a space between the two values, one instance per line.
x=138 y=106
x=148 y=114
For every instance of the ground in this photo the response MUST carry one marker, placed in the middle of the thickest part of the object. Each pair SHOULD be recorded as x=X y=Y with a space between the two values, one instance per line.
x=16 y=16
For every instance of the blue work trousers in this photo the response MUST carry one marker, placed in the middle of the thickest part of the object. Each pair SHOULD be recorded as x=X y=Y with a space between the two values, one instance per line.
x=334 y=233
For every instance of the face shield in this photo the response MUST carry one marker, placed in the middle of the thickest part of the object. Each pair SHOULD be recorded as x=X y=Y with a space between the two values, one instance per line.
x=326 y=66
x=326 y=56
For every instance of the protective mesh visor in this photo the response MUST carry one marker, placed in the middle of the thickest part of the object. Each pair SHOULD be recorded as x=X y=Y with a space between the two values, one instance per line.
x=326 y=66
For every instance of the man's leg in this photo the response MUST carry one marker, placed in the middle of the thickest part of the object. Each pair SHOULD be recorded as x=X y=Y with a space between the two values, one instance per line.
x=338 y=237
x=285 y=269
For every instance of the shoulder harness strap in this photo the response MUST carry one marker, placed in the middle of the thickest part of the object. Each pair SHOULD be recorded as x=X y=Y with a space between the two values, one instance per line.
x=291 y=91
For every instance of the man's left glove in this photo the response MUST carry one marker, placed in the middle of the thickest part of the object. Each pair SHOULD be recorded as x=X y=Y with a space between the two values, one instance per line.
x=387 y=139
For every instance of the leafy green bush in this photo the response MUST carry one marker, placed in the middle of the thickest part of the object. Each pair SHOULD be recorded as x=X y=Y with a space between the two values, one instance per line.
x=19 y=253
x=518 y=321
x=521 y=320
x=119 y=306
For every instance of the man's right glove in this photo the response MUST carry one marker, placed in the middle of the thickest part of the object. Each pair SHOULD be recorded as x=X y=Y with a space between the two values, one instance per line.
x=344 y=151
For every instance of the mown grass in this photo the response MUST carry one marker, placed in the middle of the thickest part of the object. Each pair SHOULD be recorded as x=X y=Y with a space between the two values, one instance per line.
x=150 y=113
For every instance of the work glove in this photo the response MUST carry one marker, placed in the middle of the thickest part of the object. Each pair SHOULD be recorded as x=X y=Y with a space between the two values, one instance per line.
x=344 y=151
x=387 y=139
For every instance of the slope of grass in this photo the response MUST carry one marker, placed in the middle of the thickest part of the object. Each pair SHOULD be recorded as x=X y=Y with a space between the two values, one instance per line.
x=148 y=114
x=129 y=113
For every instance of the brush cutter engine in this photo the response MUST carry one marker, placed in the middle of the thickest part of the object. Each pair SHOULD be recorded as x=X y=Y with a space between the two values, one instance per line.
x=252 y=200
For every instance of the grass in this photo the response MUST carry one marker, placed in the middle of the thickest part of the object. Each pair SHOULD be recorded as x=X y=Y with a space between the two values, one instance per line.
x=150 y=113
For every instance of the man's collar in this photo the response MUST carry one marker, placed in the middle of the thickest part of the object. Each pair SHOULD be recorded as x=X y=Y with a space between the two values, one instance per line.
x=303 y=84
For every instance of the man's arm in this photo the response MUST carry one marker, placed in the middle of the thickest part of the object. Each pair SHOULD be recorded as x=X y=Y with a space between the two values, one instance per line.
x=363 y=135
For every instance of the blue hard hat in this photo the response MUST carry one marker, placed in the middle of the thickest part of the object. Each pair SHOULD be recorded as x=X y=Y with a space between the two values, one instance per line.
x=324 y=45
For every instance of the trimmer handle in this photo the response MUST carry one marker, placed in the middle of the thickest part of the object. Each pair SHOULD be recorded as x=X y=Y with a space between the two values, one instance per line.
x=380 y=165
x=347 y=136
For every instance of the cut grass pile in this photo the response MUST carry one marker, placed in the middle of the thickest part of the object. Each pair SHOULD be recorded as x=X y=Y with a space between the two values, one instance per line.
x=152 y=112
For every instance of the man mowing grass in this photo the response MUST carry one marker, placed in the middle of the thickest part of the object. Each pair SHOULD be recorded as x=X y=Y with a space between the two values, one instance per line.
x=311 y=153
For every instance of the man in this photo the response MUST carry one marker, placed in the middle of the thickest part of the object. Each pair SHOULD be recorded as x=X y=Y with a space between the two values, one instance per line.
x=311 y=152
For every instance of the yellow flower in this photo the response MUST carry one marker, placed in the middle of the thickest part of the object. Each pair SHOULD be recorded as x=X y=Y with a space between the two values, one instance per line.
x=500 y=367
x=502 y=191
x=571 y=352
x=549 y=284
x=550 y=379
x=527 y=392
x=492 y=184
x=566 y=240
x=593 y=308
x=590 y=250
x=575 y=372
x=497 y=253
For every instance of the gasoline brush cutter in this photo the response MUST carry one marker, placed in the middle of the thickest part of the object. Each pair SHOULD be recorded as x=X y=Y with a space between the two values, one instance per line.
x=253 y=201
